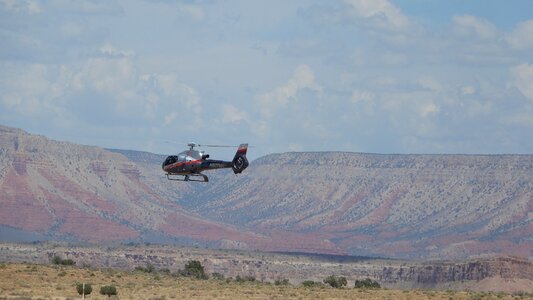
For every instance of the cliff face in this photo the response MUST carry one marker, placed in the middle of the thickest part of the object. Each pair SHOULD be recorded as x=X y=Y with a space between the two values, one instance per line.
x=66 y=191
x=403 y=206
x=431 y=274
x=488 y=274
x=390 y=205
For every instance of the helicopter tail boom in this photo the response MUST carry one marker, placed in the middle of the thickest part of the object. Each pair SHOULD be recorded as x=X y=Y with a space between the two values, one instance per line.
x=240 y=162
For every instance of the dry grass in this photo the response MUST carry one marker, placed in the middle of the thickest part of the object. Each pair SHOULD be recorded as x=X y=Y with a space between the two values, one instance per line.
x=26 y=281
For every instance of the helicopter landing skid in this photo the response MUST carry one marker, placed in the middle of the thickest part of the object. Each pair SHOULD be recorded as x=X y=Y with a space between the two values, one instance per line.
x=188 y=177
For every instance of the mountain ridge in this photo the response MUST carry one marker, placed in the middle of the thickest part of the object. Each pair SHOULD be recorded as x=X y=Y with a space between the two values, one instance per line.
x=391 y=205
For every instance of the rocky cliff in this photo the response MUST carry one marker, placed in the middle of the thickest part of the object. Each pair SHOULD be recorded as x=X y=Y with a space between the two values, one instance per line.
x=402 y=206
x=60 y=190
x=488 y=274
x=389 y=205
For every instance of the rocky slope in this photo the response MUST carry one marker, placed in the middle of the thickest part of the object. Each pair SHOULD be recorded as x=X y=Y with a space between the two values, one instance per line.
x=504 y=273
x=61 y=190
x=390 y=205
x=404 y=206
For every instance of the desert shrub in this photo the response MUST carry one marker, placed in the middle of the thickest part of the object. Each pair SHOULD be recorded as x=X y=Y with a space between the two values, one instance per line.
x=62 y=274
x=148 y=269
x=217 y=276
x=108 y=290
x=86 y=290
x=367 y=283
x=57 y=260
x=194 y=268
x=311 y=283
x=240 y=279
x=336 y=281
x=68 y=262
x=284 y=281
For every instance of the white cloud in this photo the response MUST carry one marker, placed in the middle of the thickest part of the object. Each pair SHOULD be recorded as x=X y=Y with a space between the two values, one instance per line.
x=170 y=118
x=109 y=50
x=362 y=96
x=518 y=119
x=114 y=76
x=522 y=79
x=80 y=60
x=428 y=109
x=106 y=87
x=521 y=38
x=471 y=26
x=302 y=78
x=378 y=13
x=30 y=7
x=468 y=90
x=32 y=89
x=429 y=83
x=87 y=7
x=172 y=88
x=194 y=11
x=231 y=114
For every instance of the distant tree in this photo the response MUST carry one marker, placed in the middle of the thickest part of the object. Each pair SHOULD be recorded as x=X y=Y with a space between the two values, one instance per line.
x=68 y=262
x=194 y=268
x=56 y=260
x=311 y=283
x=148 y=269
x=84 y=289
x=367 y=283
x=336 y=281
x=108 y=290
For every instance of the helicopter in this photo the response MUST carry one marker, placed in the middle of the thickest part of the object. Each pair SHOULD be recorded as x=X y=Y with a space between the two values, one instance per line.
x=189 y=164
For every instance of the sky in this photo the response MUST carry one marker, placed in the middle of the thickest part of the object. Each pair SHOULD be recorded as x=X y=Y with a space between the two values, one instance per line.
x=381 y=76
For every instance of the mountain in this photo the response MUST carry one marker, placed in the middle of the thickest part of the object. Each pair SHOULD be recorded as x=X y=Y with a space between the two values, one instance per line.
x=408 y=206
x=403 y=206
x=60 y=190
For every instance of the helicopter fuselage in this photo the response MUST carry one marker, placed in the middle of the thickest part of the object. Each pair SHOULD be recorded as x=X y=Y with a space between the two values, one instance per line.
x=190 y=163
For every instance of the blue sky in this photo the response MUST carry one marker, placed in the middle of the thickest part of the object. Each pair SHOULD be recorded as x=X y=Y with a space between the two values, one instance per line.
x=418 y=76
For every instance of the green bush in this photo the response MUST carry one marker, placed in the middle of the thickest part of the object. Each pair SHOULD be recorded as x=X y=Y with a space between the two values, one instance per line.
x=194 y=268
x=56 y=260
x=80 y=288
x=367 y=283
x=244 y=279
x=108 y=290
x=336 y=281
x=217 y=276
x=148 y=269
x=311 y=283
x=68 y=262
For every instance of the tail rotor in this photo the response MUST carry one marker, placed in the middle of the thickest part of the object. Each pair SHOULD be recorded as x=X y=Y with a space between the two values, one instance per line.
x=240 y=162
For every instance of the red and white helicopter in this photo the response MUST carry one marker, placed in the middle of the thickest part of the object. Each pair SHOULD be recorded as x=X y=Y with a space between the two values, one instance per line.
x=189 y=164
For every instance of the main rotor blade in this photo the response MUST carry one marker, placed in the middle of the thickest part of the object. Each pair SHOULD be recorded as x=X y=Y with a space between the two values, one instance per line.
x=222 y=146
x=217 y=146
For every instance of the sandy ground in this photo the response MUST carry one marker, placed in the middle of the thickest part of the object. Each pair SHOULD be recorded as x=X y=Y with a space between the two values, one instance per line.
x=29 y=281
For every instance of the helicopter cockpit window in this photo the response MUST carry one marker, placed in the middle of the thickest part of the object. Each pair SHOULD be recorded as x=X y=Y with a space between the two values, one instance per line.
x=170 y=160
x=195 y=155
